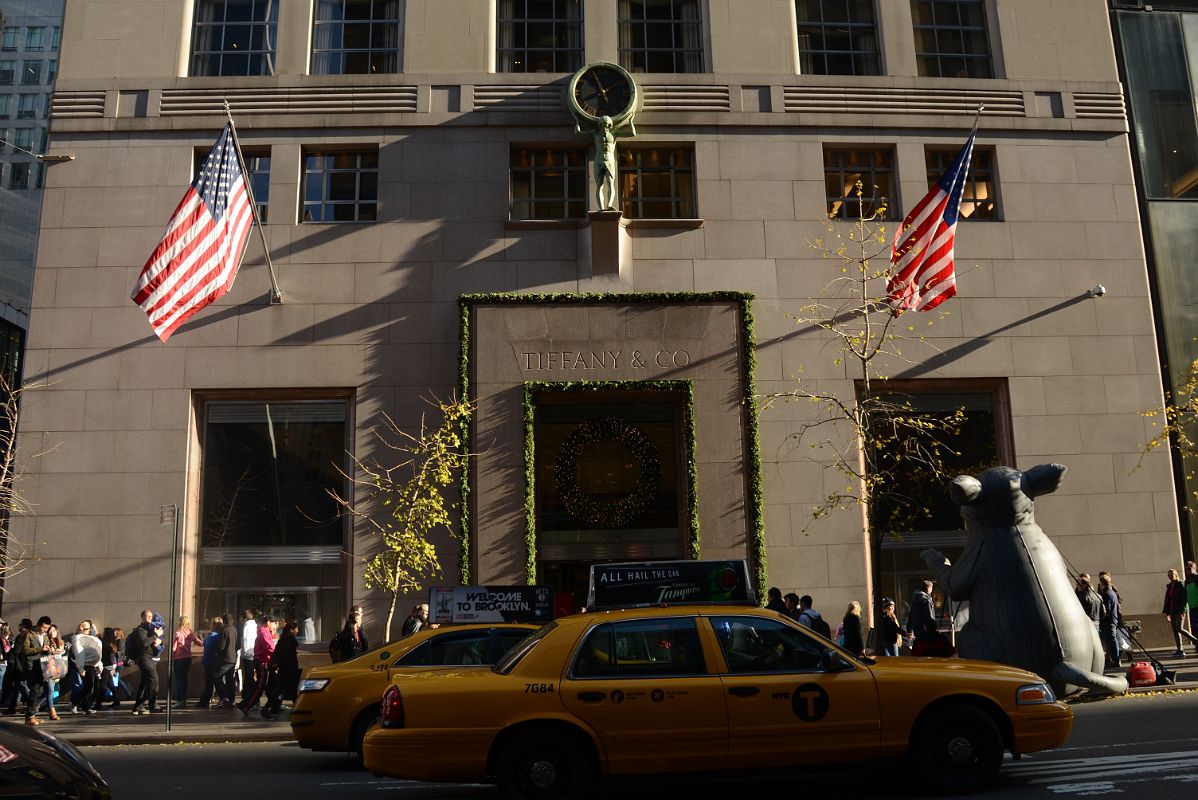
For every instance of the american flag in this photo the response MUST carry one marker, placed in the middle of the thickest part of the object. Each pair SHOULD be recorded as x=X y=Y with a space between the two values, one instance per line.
x=921 y=257
x=197 y=259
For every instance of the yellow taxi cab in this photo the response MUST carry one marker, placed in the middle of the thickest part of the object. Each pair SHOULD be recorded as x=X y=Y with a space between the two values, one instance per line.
x=339 y=702
x=702 y=688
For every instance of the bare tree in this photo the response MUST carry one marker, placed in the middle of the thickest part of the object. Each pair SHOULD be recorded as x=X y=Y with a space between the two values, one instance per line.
x=15 y=555
x=401 y=498
x=889 y=455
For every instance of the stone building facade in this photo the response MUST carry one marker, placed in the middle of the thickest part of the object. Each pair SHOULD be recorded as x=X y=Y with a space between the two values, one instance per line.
x=418 y=167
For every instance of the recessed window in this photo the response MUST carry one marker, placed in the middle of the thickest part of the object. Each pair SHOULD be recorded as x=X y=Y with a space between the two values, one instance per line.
x=23 y=138
x=661 y=35
x=356 y=37
x=19 y=176
x=951 y=40
x=10 y=38
x=837 y=37
x=257 y=165
x=539 y=35
x=27 y=106
x=873 y=167
x=658 y=182
x=979 y=199
x=55 y=37
x=234 y=37
x=548 y=183
x=51 y=70
x=31 y=73
x=4 y=100
x=8 y=72
x=340 y=186
x=35 y=38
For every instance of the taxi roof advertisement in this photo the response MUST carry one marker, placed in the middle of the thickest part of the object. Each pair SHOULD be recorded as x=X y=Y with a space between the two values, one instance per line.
x=674 y=582
x=465 y=604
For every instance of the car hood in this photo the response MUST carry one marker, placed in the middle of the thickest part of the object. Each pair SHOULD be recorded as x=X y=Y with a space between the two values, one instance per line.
x=957 y=667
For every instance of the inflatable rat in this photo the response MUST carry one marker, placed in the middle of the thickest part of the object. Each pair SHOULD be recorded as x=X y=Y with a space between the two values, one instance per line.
x=1022 y=609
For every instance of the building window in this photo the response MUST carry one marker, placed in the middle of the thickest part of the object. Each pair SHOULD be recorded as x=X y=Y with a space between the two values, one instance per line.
x=51 y=70
x=257 y=166
x=657 y=182
x=979 y=199
x=873 y=167
x=27 y=106
x=548 y=183
x=4 y=140
x=539 y=35
x=18 y=176
x=9 y=39
x=35 y=38
x=8 y=72
x=55 y=36
x=951 y=40
x=837 y=37
x=4 y=99
x=23 y=138
x=356 y=37
x=661 y=36
x=340 y=187
x=270 y=534
x=234 y=37
x=31 y=73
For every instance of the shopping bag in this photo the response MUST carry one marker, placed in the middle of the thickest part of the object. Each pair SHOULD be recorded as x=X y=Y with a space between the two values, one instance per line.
x=1122 y=638
x=54 y=668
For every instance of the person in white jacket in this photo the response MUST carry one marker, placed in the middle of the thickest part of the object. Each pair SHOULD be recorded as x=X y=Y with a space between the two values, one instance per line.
x=249 y=637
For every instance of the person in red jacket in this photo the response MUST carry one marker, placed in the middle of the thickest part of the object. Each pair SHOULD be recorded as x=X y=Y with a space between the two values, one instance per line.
x=264 y=648
x=1175 y=610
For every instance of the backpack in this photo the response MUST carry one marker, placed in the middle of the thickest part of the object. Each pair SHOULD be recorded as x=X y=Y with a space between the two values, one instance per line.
x=819 y=625
x=335 y=647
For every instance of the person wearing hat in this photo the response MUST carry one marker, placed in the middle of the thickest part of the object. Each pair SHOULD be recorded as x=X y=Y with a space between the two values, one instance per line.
x=890 y=632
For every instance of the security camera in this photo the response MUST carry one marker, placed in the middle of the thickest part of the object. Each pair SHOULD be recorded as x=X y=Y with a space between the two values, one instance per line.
x=1098 y=291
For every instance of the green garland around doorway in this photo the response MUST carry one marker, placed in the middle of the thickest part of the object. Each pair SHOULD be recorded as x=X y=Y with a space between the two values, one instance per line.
x=532 y=388
x=466 y=303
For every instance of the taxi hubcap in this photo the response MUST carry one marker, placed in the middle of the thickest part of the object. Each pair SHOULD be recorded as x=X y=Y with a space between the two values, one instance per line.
x=960 y=749
x=542 y=773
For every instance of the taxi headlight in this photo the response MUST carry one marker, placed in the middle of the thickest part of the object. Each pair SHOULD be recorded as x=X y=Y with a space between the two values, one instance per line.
x=313 y=684
x=1034 y=694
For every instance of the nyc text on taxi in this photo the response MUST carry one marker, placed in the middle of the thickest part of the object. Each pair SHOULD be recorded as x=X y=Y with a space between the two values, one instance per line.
x=697 y=689
x=338 y=703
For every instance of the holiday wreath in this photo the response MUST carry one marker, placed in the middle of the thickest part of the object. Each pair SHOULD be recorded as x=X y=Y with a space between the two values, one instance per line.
x=615 y=512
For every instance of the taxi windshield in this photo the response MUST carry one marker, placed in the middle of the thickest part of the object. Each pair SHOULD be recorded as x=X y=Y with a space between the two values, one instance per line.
x=512 y=657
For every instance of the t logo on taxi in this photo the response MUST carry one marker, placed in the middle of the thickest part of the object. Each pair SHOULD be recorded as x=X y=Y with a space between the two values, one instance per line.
x=810 y=702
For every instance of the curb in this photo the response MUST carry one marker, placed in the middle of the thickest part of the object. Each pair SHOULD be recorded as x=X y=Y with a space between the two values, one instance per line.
x=215 y=737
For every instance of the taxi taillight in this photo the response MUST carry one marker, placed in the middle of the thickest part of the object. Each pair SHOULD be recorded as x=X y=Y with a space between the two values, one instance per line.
x=392 y=716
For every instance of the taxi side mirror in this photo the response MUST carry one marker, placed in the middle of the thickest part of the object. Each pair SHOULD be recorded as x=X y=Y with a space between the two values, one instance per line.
x=831 y=661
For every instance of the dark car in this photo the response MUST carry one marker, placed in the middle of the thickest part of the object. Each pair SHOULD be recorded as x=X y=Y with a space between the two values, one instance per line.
x=34 y=763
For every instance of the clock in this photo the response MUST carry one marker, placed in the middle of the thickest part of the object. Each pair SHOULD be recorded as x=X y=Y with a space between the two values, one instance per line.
x=602 y=90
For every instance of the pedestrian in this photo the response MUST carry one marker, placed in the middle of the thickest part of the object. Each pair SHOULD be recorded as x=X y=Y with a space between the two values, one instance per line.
x=889 y=633
x=415 y=621
x=791 y=605
x=854 y=637
x=246 y=643
x=810 y=618
x=14 y=689
x=361 y=614
x=111 y=647
x=1090 y=600
x=283 y=682
x=34 y=645
x=1108 y=621
x=349 y=643
x=1176 y=604
x=86 y=651
x=921 y=617
x=210 y=661
x=264 y=646
x=141 y=649
x=1192 y=595
x=57 y=650
x=228 y=652
x=185 y=637
x=775 y=600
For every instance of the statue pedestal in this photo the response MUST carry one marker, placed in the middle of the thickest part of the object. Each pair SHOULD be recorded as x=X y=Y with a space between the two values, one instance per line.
x=610 y=246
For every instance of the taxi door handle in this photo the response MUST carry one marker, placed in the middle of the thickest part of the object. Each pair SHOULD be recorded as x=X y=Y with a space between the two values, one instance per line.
x=592 y=697
x=744 y=691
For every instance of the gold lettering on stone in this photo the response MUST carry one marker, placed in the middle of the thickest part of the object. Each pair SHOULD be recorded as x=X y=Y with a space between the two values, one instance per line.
x=571 y=360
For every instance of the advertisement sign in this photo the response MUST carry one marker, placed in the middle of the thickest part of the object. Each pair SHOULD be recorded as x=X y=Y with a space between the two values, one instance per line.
x=462 y=604
x=669 y=582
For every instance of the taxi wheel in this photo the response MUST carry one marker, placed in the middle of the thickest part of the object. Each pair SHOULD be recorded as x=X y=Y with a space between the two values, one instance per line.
x=958 y=749
x=357 y=733
x=542 y=767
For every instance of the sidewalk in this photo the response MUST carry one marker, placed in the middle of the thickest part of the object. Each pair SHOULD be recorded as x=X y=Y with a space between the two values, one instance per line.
x=1186 y=668
x=192 y=725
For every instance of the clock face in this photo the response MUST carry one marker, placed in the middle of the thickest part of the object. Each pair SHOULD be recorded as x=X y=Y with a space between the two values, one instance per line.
x=603 y=90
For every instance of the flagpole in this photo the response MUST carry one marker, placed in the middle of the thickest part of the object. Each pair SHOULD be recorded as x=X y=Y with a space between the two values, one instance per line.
x=976 y=117
x=276 y=294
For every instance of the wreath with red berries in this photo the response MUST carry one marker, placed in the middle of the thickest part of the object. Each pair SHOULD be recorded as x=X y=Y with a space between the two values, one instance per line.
x=603 y=512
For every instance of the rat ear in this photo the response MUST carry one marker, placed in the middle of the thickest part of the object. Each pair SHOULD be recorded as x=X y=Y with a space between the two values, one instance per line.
x=965 y=489
x=1042 y=479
